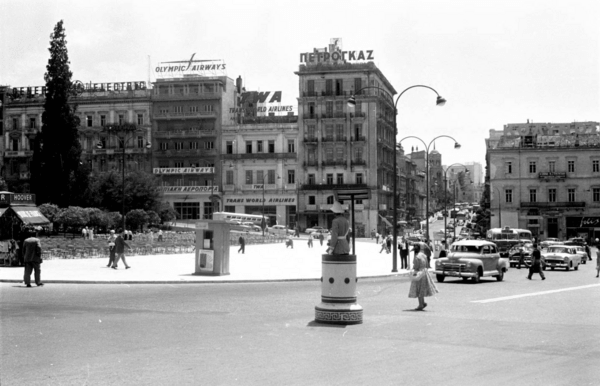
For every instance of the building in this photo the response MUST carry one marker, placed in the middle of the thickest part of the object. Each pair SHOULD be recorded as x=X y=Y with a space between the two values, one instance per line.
x=545 y=177
x=188 y=113
x=344 y=146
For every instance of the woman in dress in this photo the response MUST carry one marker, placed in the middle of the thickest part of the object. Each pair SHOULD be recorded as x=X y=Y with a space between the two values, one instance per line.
x=424 y=286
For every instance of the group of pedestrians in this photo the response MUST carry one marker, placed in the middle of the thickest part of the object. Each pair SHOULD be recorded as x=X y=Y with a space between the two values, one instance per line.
x=117 y=245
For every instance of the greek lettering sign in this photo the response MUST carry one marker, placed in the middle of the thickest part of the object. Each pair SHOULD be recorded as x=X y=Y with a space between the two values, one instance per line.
x=189 y=189
x=203 y=170
x=336 y=56
x=79 y=87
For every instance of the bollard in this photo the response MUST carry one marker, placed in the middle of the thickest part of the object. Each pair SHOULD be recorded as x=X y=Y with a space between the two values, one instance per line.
x=338 y=291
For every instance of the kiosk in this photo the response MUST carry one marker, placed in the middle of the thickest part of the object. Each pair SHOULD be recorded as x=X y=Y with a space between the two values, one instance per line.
x=212 y=248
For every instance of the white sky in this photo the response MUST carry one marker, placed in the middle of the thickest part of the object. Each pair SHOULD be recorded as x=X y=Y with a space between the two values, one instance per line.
x=496 y=62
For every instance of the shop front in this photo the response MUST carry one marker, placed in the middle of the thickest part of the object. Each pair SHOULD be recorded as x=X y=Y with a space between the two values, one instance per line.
x=279 y=208
x=584 y=226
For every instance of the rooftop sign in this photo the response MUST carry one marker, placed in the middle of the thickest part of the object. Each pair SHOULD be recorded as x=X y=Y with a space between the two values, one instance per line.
x=201 y=67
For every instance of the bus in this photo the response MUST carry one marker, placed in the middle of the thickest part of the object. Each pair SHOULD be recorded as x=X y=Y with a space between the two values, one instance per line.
x=507 y=237
x=240 y=218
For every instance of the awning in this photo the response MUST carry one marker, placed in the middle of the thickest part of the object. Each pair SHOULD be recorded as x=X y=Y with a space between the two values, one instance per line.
x=2 y=210
x=386 y=221
x=30 y=215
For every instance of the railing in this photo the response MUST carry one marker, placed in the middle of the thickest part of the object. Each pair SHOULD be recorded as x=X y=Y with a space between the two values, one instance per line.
x=358 y=162
x=557 y=204
x=331 y=186
x=334 y=163
x=184 y=133
x=311 y=139
x=360 y=138
x=239 y=156
x=311 y=116
x=311 y=163
x=359 y=114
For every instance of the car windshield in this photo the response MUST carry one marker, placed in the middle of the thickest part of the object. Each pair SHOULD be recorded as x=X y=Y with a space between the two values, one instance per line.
x=465 y=248
x=558 y=250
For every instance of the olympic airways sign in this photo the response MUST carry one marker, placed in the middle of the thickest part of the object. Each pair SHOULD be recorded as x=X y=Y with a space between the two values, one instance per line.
x=191 y=66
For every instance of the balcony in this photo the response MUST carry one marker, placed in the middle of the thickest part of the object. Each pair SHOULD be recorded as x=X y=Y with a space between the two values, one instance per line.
x=360 y=162
x=331 y=186
x=194 y=133
x=199 y=114
x=19 y=153
x=311 y=139
x=311 y=163
x=244 y=156
x=333 y=139
x=358 y=114
x=560 y=204
x=310 y=94
x=310 y=116
x=334 y=163
x=360 y=138
x=552 y=176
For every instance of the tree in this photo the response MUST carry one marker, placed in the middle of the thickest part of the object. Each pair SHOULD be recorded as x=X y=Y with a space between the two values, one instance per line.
x=114 y=220
x=74 y=217
x=56 y=150
x=167 y=213
x=153 y=217
x=137 y=218
x=141 y=191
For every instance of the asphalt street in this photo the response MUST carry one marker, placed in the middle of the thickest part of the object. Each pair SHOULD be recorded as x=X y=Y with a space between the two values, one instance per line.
x=517 y=332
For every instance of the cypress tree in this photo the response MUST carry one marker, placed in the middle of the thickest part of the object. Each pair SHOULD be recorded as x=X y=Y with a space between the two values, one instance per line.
x=57 y=151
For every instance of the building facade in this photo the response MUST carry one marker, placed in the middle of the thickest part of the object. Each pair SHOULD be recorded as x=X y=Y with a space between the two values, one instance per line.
x=546 y=177
x=343 y=146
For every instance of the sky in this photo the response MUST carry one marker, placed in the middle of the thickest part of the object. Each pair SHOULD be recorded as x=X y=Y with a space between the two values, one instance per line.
x=496 y=62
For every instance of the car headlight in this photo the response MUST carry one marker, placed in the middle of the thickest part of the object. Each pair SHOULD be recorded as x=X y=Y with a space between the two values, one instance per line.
x=565 y=259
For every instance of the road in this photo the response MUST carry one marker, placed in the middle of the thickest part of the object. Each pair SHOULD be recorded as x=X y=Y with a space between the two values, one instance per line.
x=517 y=332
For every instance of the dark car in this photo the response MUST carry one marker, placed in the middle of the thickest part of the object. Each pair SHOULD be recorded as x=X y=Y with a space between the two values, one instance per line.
x=575 y=241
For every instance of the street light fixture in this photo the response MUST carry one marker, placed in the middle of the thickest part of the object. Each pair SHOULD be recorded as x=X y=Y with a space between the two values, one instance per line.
x=456 y=146
x=439 y=102
x=125 y=130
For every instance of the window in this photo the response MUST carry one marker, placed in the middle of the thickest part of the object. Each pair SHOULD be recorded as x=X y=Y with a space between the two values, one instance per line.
x=596 y=194
x=532 y=195
x=339 y=132
x=121 y=119
x=508 y=195
x=339 y=108
x=229 y=177
x=551 y=166
x=508 y=167
x=291 y=177
x=193 y=109
x=329 y=132
x=311 y=179
x=571 y=166
x=15 y=144
x=340 y=178
x=163 y=111
x=310 y=87
x=194 y=145
x=209 y=145
x=329 y=200
x=311 y=200
x=312 y=132
x=339 y=87
x=249 y=177
x=552 y=195
x=179 y=164
x=271 y=146
x=358 y=154
x=15 y=123
x=328 y=86
x=102 y=120
x=595 y=166
x=571 y=194
x=532 y=167
x=271 y=176
x=291 y=146
x=140 y=119
x=329 y=179
x=164 y=146
x=89 y=122
x=357 y=84
x=259 y=147
x=178 y=109
x=140 y=141
x=260 y=177
x=249 y=147
x=359 y=178
x=339 y=153
x=209 y=108
x=329 y=154
x=229 y=147
x=358 y=109
x=329 y=108
x=178 y=145
x=121 y=143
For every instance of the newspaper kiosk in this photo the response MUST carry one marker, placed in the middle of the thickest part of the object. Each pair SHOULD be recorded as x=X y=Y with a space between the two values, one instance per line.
x=212 y=248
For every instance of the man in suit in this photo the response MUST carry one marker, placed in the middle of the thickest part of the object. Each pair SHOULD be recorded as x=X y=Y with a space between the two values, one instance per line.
x=120 y=246
x=32 y=255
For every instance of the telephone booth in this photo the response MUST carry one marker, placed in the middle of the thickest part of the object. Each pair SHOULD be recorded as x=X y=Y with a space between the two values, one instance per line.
x=212 y=248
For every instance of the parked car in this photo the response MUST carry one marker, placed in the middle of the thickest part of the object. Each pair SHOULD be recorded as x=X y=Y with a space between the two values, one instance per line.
x=280 y=230
x=561 y=256
x=449 y=226
x=316 y=229
x=575 y=241
x=514 y=254
x=316 y=234
x=471 y=259
x=549 y=241
x=252 y=226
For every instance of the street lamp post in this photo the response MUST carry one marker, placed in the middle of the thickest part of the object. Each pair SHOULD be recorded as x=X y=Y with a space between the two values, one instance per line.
x=125 y=129
x=439 y=102
x=456 y=146
x=446 y=196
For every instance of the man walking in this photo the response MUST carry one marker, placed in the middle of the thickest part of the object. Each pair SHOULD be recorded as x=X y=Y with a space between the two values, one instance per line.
x=242 y=242
x=310 y=241
x=403 y=253
x=120 y=245
x=321 y=238
x=32 y=255
x=536 y=263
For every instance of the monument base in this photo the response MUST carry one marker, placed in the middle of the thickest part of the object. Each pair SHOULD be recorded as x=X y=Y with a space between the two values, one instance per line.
x=331 y=313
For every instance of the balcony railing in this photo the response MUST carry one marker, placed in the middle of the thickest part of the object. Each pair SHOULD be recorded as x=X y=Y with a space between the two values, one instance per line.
x=311 y=116
x=359 y=114
x=311 y=163
x=310 y=139
x=334 y=163
x=358 y=162
x=331 y=186
x=558 y=204
x=359 y=138
x=185 y=133
x=259 y=156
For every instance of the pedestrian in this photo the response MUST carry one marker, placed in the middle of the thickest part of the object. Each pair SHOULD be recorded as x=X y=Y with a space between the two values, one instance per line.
x=597 y=259
x=310 y=241
x=242 y=242
x=521 y=256
x=377 y=238
x=340 y=228
x=120 y=246
x=388 y=243
x=91 y=233
x=422 y=284
x=321 y=238
x=160 y=235
x=32 y=255
x=84 y=233
x=588 y=251
x=404 y=254
x=111 y=248
x=289 y=242
x=383 y=245
x=536 y=263
x=443 y=252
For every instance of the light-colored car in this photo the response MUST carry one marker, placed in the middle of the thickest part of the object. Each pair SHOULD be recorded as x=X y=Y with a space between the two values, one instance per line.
x=582 y=253
x=561 y=256
x=252 y=226
x=280 y=230
x=316 y=229
x=549 y=241
x=471 y=259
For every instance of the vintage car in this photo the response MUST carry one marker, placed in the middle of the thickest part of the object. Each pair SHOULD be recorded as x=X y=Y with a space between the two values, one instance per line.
x=549 y=241
x=252 y=226
x=514 y=253
x=575 y=241
x=561 y=256
x=471 y=259
x=581 y=252
x=280 y=230
x=316 y=229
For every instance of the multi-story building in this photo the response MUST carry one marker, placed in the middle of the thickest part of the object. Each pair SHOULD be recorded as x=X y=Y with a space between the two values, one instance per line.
x=99 y=106
x=188 y=113
x=546 y=177
x=343 y=146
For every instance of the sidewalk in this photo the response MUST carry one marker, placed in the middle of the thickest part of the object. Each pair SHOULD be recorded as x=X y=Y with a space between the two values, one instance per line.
x=260 y=263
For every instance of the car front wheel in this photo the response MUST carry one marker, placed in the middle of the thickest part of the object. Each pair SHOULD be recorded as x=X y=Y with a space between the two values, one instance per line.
x=477 y=278
x=440 y=278
x=500 y=277
x=569 y=266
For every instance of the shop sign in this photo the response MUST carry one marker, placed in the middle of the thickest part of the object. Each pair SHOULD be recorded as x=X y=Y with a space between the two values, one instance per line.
x=203 y=170
x=289 y=200
x=191 y=66
x=318 y=56
x=17 y=198
x=590 y=222
x=79 y=87
x=189 y=189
